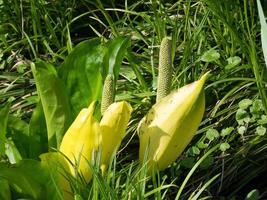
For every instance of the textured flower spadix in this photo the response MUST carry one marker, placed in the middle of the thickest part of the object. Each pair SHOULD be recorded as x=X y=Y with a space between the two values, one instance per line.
x=86 y=136
x=170 y=125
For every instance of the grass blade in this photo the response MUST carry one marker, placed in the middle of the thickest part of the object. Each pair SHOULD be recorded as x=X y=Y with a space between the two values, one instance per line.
x=263 y=31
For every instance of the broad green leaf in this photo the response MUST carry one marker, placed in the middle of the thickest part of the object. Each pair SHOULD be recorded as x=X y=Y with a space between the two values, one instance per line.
x=37 y=133
x=114 y=56
x=56 y=167
x=54 y=101
x=26 y=176
x=81 y=74
x=263 y=31
x=33 y=178
x=12 y=152
x=4 y=190
x=18 y=131
x=4 y=110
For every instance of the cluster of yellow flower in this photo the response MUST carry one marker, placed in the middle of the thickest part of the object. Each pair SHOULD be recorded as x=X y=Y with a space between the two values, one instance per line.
x=164 y=132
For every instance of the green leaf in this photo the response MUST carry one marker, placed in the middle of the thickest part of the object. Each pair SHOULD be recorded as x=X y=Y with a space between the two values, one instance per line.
x=18 y=130
x=36 y=179
x=242 y=116
x=244 y=104
x=260 y=130
x=256 y=107
x=263 y=31
x=241 y=130
x=12 y=152
x=210 y=56
x=4 y=191
x=114 y=56
x=128 y=73
x=232 y=62
x=188 y=162
x=54 y=101
x=4 y=110
x=226 y=131
x=26 y=176
x=81 y=74
x=211 y=134
x=202 y=145
x=195 y=150
x=57 y=169
x=263 y=120
x=253 y=195
x=32 y=100
x=207 y=162
x=21 y=67
x=224 y=146
x=38 y=133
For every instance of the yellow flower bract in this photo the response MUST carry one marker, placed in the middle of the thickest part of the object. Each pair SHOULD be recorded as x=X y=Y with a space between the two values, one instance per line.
x=86 y=136
x=170 y=125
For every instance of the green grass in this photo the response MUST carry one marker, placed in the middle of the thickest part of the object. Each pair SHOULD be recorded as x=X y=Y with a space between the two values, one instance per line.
x=220 y=36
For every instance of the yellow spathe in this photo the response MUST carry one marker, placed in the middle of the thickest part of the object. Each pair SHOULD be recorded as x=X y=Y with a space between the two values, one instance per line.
x=170 y=125
x=86 y=137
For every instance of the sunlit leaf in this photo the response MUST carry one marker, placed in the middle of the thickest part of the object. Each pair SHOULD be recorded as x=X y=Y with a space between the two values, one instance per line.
x=81 y=74
x=114 y=56
x=54 y=101
x=263 y=31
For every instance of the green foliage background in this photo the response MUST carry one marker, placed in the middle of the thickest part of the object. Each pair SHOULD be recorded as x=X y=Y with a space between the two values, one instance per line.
x=220 y=36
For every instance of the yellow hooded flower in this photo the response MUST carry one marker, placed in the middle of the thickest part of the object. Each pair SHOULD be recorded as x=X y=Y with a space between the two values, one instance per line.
x=170 y=125
x=113 y=129
x=81 y=141
x=86 y=136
